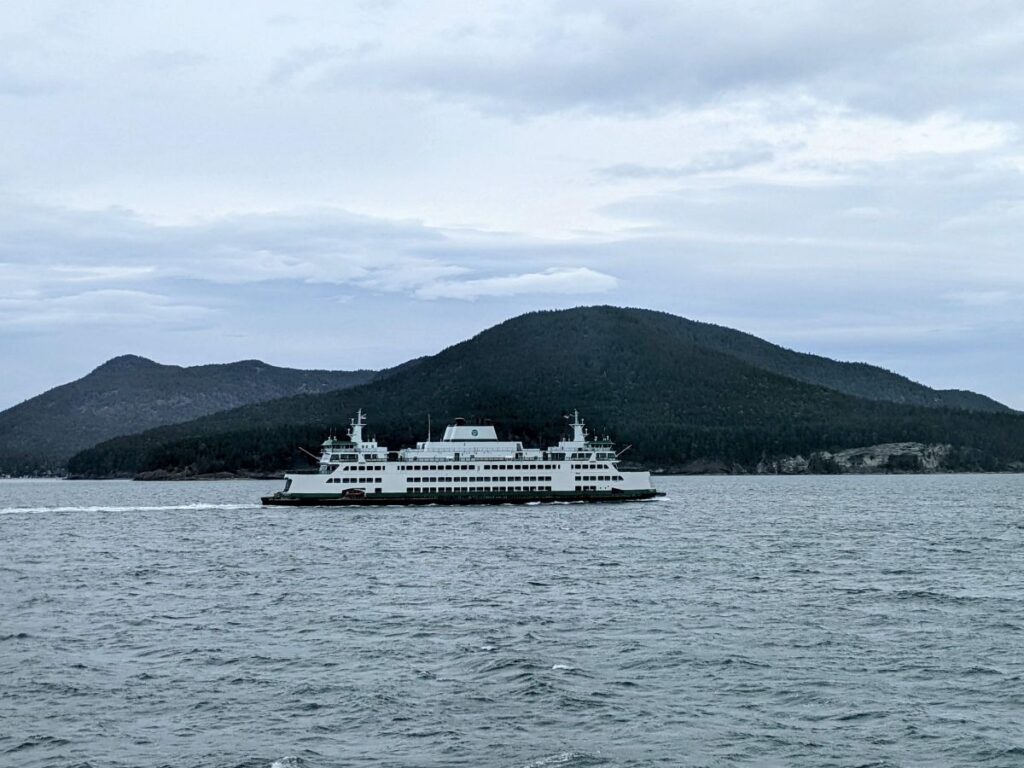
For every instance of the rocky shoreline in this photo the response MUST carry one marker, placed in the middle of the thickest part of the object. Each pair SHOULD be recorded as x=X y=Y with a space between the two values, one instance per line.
x=883 y=459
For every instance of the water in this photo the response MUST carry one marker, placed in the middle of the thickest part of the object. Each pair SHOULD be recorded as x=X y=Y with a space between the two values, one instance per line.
x=817 y=621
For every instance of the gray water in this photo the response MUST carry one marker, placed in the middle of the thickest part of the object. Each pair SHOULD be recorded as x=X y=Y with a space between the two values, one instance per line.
x=813 y=621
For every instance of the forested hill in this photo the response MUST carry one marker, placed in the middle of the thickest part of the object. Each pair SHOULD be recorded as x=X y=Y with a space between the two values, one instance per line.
x=675 y=389
x=130 y=394
x=858 y=379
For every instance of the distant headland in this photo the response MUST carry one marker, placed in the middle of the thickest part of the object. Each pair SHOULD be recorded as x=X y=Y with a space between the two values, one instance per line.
x=690 y=397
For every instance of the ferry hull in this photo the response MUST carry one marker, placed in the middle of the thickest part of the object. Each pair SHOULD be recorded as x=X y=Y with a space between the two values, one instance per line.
x=452 y=499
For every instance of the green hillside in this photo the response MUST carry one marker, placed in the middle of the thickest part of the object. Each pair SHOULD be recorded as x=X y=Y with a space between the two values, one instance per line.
x=130 y=394
x=858 y=379
x=675 y=389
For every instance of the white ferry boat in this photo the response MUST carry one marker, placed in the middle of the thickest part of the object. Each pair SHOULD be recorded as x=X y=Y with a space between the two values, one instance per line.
x=468 y=465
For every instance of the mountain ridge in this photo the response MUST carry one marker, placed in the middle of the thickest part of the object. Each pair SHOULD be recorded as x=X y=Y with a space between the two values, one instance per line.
x=639 y=373
x=850 y=377
x=131 y=393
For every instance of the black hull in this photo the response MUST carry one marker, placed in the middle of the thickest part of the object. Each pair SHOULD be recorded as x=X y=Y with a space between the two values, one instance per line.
x=453 y=499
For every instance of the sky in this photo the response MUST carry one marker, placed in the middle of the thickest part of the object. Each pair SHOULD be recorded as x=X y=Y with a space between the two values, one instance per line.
x=351 y=184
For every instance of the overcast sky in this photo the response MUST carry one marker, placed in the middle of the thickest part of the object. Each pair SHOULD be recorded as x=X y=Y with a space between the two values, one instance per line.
x=351 y=184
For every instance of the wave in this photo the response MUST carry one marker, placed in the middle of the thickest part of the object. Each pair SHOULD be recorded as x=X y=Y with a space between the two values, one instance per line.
x=108 y=508
x=567 y=759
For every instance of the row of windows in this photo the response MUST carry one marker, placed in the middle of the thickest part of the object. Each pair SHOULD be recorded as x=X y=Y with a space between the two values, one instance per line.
x=348 y=480
x=443 y=467
x=481 y=489
x=599 y=477
x=477 y=467
x=531 y=479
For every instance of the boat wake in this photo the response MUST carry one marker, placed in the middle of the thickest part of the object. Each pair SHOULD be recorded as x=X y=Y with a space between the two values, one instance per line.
x=107 y=508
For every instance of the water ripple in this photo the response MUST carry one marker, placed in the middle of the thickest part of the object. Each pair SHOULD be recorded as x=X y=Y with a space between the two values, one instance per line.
x=829 y=621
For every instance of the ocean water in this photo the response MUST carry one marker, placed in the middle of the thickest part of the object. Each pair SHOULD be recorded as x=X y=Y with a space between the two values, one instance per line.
x=741 y=621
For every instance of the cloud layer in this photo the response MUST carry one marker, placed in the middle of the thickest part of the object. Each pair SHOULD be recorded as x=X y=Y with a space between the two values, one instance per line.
x=354 y=184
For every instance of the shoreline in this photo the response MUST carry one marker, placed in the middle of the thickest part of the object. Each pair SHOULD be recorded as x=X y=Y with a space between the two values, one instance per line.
x=164 y=476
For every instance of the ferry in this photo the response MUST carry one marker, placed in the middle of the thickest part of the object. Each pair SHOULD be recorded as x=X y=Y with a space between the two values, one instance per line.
x=468 y=465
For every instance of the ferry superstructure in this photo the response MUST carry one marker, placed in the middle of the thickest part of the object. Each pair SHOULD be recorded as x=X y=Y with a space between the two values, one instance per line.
x=468 y=465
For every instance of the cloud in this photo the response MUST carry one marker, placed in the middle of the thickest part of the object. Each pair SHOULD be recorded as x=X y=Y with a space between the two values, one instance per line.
x=992 y=298
x=164 y=62
x=47 y=254
x=543 y=57
x=805 y=166
x=298 y=63
x=14 y=83
x=86 y=274
x=711 y=162
x=566 y=281
x=820 y=144
x=106 y=307
x=322 y=245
